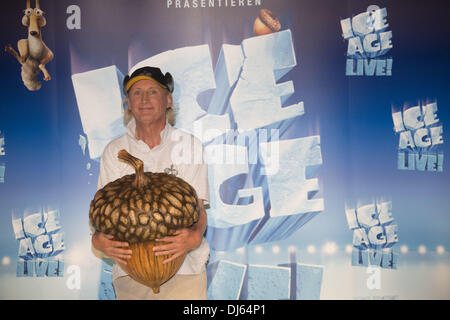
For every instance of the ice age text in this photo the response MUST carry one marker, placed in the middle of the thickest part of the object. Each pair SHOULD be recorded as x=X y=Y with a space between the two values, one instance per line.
x=41 y=244
x=368 y=38
x=420 y=136
x=374 y=234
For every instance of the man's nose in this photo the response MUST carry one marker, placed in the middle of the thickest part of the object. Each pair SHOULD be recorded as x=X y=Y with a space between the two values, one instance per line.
x=145 y=96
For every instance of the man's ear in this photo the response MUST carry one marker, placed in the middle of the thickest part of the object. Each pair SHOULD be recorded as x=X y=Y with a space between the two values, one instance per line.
x=169 y=100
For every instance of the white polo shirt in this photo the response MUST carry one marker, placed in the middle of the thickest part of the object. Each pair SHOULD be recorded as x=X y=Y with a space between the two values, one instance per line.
x=179 y=153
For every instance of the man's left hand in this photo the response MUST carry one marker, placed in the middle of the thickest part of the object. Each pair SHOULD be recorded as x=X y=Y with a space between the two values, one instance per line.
x=181 y=242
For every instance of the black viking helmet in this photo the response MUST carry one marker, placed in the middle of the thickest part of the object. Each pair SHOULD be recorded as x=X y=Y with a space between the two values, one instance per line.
x=151 y=73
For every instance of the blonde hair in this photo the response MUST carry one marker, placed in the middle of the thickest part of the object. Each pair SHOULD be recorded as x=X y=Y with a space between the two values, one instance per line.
x=128 y=115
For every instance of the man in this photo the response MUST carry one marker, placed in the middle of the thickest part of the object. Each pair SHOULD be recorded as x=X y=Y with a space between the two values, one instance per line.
x=151 y=138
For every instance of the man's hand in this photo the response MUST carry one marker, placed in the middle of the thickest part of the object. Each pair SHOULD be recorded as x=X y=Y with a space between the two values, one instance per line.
x=183 y=241
x=111 y=248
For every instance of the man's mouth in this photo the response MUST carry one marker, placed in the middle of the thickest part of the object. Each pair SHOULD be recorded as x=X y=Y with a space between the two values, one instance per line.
x=146 y=108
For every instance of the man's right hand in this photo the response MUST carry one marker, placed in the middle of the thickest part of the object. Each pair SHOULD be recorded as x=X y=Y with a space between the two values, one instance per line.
x=113 y=249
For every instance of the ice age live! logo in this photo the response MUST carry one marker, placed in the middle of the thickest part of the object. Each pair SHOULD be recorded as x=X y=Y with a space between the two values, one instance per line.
x=420 y=137
x=368 y=38
x=374 y=234
x=41 y=245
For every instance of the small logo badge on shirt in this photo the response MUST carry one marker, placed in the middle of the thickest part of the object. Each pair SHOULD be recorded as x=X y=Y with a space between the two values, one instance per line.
x=171 y=170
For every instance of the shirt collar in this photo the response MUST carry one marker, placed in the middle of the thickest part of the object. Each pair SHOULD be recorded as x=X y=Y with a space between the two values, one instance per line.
x=164 y=134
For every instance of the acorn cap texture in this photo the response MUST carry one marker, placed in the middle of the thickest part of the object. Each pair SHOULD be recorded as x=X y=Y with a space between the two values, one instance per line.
x=143 y=206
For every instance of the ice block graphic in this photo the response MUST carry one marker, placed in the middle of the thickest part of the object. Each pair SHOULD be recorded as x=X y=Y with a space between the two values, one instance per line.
x=289 y=190
x=228 y=68
x=82 y=142
x=99 y=97
x=246 y=77
x=225 y=279
x=230 y=225
x=191 y=68
x=308 y=282
x=2 y=172
x=228 y=280
x=211 y=126
x=266 y=282
x=256 y=99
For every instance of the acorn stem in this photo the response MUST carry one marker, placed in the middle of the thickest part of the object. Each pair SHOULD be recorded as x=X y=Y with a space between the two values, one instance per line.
x=141 y=180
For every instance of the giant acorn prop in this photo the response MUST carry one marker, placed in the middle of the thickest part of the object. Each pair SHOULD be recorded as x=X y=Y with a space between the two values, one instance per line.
x=139 y=208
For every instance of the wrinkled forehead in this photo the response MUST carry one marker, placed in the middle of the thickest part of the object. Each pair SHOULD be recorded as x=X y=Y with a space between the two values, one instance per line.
x=146 y=83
